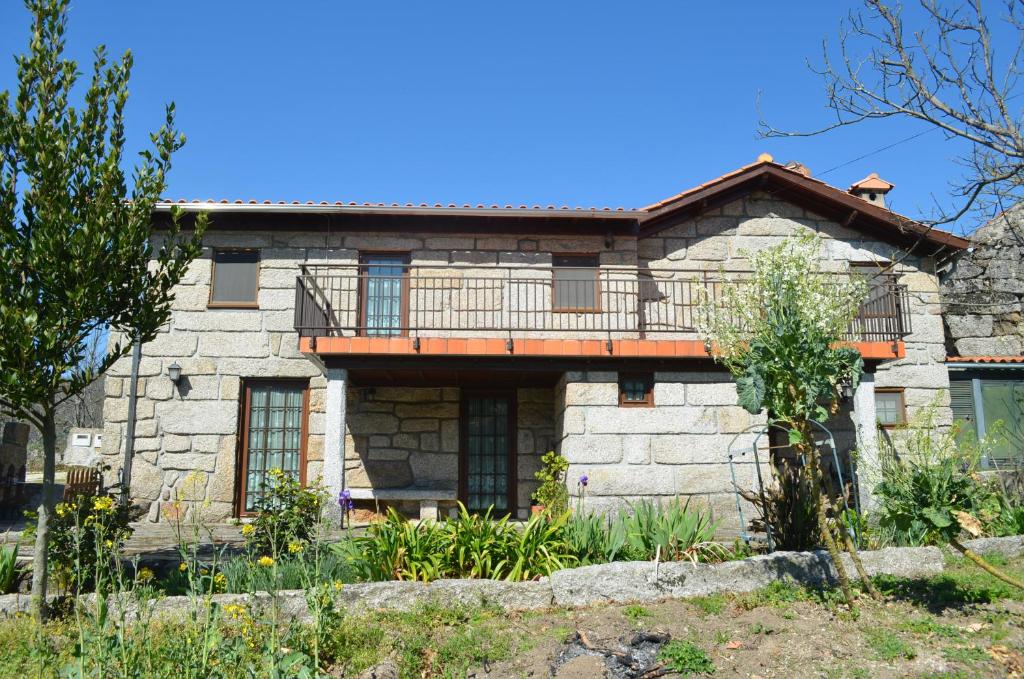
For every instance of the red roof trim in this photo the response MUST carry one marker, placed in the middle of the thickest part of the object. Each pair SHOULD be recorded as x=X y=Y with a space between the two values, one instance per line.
x=768 y=171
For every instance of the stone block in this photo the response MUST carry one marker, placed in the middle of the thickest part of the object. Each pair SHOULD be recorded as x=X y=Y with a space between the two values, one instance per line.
x=16 y=433
x=249 y=320
x=430 y=442
x=769 y=226
x=373 y=423
x=189 y=461
x=112 y=386
x=199 y=417
x=625 y=480
x=690 y=448
x=387 y=454
x=732 y=419
x=235 y=344
x=592 y=449
x=657 y=420
x=708 y=248
x=173 y=443
x=231 y=385
x=669 y=393
x=420 y=425
x=990 y=346
x=379 y=474
x=434 y=468
x=406 y=410
x=585 y=393
x=191 y=298
x=450 y=436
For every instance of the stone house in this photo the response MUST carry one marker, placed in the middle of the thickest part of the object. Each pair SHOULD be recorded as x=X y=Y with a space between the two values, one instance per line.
x=420 y=355
x=983 y=297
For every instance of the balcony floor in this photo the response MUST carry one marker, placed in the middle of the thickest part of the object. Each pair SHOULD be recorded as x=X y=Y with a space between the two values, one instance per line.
x=537 y=348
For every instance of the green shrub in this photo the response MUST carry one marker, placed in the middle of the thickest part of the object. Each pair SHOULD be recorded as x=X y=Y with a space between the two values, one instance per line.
x=8 y=568
x=552 y=493
x=686 y=658
x=287 y=514
x=671 y=531
x=87 y=534
x=468 y=546
x=934 y=485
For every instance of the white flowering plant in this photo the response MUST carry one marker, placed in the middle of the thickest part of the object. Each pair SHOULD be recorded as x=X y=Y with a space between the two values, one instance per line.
x=781 y=331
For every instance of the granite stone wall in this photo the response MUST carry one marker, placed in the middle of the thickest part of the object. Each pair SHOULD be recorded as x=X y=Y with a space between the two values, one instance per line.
x=984 y=291
x=678 y=447
x=722 y=238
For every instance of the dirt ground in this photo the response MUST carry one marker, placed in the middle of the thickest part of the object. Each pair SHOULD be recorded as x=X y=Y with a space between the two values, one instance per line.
x=963 y=624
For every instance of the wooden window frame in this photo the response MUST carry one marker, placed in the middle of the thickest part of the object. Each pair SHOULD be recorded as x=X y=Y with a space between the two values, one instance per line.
x=647 y=379
x=902 y=409
x=513 y=445
x=242 y=447
x=213 y=304
x=364 y=256
x=596 y=309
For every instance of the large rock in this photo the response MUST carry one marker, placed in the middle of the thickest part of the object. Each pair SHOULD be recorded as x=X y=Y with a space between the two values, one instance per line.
x=618 y=582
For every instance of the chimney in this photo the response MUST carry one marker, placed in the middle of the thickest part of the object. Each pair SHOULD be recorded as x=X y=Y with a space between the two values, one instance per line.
x=797 y=166
x=872 y=189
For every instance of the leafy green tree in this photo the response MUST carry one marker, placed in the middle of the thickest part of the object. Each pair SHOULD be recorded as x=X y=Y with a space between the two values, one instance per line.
x=781 y=333
x=76 y=253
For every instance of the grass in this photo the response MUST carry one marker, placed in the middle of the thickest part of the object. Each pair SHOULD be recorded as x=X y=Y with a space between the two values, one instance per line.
x=686 y=658
x=887 y=646
x=710 y=605
x=968 y=655
x=636 y=614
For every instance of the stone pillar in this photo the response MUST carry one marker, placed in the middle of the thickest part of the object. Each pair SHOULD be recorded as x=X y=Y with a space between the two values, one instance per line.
x=334 y=437
x=865 y=419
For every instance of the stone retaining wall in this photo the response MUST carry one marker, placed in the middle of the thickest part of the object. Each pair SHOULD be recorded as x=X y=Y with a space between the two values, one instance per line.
x=620 y=582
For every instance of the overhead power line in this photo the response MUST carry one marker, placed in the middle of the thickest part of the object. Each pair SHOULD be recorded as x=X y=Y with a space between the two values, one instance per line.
x=878 y=150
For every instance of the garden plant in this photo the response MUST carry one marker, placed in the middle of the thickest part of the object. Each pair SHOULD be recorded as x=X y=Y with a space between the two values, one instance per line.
x=781 y=333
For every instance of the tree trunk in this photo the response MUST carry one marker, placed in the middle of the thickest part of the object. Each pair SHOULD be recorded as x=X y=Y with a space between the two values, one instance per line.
x=858 y=564
x=985 y=565
x=40 y=566
x=813 y=464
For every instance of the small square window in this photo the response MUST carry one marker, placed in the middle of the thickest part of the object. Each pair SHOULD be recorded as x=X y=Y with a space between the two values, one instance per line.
x=636 y=390
x=235 y=278
x=889 y=407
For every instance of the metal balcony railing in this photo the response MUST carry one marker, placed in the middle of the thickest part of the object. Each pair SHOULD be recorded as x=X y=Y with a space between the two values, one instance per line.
x=490 y=301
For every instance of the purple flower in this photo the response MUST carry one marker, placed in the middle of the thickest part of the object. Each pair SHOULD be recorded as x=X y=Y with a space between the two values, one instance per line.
x=584 y=480
x=345 y=500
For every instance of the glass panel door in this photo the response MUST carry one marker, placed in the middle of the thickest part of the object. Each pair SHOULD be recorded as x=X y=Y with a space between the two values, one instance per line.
x=274 y=428
x=487 y=440
x=383 y=285
x=1003 y=402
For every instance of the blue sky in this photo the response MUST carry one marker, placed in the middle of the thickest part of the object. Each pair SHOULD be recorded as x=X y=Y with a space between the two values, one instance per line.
x=579 y=103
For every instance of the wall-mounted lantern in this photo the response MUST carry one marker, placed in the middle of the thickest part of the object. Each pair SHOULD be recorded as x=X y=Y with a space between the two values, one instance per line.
x=174 y=372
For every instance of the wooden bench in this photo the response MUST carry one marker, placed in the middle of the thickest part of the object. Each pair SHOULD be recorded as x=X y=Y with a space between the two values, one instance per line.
x=427 y=497
x=82 y=481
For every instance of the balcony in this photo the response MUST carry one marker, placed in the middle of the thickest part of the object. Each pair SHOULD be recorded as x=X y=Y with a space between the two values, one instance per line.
x=607 y=311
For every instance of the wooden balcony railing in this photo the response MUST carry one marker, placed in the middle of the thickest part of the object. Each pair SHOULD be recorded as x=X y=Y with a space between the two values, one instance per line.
x=608 y=303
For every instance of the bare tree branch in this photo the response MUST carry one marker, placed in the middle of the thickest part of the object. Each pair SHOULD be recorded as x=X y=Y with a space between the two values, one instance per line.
x=946 y=74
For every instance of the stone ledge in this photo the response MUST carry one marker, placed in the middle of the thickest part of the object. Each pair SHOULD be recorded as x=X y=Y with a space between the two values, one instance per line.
x=619 y=582
x=402 y=494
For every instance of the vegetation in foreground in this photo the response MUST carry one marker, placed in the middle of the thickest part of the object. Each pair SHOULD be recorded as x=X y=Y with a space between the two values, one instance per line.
x=962 y=623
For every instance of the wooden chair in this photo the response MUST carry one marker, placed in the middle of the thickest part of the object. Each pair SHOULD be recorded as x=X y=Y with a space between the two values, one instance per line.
x=82 y=481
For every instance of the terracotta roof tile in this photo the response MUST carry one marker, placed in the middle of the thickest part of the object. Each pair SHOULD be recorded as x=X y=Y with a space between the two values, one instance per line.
x=985 y=359
x=340 y=203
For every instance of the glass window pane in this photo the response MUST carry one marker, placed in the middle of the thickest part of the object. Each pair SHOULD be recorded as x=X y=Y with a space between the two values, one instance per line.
x=889 y=407
x=576 y=282
x=275 y=436
x=1003 y=403
x=235 y=276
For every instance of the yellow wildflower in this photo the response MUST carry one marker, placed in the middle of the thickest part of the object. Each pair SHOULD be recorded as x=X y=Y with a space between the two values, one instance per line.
x=103 y=503
x=183 y=567
x=338 y=584
x=204 y=571
x=235 y=612
x=265 y=561
x=220 y=581
x=248 y=529
x=109 y=544
x=145 y=574
x=294 y=547
x=61 y=509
